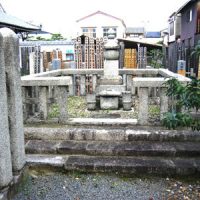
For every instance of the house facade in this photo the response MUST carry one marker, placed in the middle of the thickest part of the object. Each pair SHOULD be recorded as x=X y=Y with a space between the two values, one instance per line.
x=184 y=33
x=97 y=24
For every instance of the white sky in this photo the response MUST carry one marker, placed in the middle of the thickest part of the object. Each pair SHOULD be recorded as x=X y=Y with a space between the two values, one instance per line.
x=59 y=16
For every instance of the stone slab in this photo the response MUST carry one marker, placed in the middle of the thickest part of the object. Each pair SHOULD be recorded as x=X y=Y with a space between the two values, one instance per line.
x=113 y=132
x=123 y=165
x=102 y=121
x=115 y=148
x=46 y=81
x=117 y=88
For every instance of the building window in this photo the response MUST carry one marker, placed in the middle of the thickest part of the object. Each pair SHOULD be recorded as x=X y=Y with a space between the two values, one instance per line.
x=105 y=31
x=189 y=15
x=90 y=32
x=171 y=28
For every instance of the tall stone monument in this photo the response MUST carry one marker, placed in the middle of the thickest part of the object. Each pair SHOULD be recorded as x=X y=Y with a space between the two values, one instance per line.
x=111 y=88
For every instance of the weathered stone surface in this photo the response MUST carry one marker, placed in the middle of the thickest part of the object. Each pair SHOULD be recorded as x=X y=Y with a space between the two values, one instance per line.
x=43 y=102
x=111 y=69
x=33 y=80
x=11 y=56
x=62 y=103
x=39 y=146
x=5 y=153
x=117 y=88
x=72 y=147
x=111 y=133
x=143 y=106
x=109 y=102
x=91 y=101
x=115 y=148
x=46 y=160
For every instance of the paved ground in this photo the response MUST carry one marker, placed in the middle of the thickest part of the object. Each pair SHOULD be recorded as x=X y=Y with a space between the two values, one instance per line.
x=76 y=186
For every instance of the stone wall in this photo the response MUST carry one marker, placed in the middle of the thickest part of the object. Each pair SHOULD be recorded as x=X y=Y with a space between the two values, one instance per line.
x=12 y=151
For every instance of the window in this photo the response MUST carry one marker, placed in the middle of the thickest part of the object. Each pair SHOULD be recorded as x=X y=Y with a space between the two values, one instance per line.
x=171 y=28
x=90 y=32
x=106 y=29
x=189 y=15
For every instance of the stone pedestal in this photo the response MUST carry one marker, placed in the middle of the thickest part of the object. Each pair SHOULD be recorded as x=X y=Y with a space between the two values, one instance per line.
x=109 y=100
x=91 y=101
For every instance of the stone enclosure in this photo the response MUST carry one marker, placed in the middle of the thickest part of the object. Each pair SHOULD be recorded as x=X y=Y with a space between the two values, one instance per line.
x=40 y=90
x=33 y=94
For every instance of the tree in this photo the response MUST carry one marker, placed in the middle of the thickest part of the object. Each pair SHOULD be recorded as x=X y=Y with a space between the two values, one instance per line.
x=56 y=36
x=156 y=58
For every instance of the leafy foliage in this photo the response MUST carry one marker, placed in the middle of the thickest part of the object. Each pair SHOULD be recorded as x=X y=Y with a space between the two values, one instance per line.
x=172 y=120
x=182 y=96
x=156 y=58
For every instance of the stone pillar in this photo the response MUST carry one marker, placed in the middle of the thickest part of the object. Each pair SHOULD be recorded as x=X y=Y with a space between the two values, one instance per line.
x=124 y=80
x=62 y=103
x=24 y=97
x=5 y=153
x=14 y=95
x=143 y=106
x=129 y=82
x=163 y=102
x=43 y=102
x=94 y=82
x=31 y=63
x=82 y=85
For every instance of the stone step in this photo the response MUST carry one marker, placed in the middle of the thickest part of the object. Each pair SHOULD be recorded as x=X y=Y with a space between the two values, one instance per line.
x=102 y=121
x=109 y=134
x=121 y=165
x=113 y=148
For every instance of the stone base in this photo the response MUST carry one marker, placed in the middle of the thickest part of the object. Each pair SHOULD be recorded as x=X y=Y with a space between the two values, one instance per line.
x=109 y=103
x=117 y=88
x=111 y=81
x=127 y=105
x=91 y=105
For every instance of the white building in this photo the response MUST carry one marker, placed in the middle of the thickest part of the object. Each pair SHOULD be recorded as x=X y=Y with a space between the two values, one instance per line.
x=97 y=25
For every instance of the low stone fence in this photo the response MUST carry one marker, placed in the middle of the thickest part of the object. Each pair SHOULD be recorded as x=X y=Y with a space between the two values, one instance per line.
x=12 y=151
x=36 y=93
x=144 y=85
x=40 y=90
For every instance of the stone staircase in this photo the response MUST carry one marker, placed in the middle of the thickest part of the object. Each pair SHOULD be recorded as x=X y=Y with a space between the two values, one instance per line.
x=129 y=150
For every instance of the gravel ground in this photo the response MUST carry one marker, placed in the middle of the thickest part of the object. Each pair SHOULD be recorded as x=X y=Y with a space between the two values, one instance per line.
x=76 y=186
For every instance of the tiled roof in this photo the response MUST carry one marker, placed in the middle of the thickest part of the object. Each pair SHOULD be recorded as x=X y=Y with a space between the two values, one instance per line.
x=7 y=20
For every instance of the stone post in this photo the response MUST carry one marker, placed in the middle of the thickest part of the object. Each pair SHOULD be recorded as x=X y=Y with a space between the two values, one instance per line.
x=94 y=82
x=43 y=102
x=62 y=103
x=129 y=82
x=163 y=102
x=82 y=85
x=5 y=153
x=14 y=96
x=24 y=97
x=143 y=106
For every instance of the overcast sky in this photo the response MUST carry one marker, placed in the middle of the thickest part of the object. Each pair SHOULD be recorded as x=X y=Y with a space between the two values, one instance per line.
x=60 y=15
